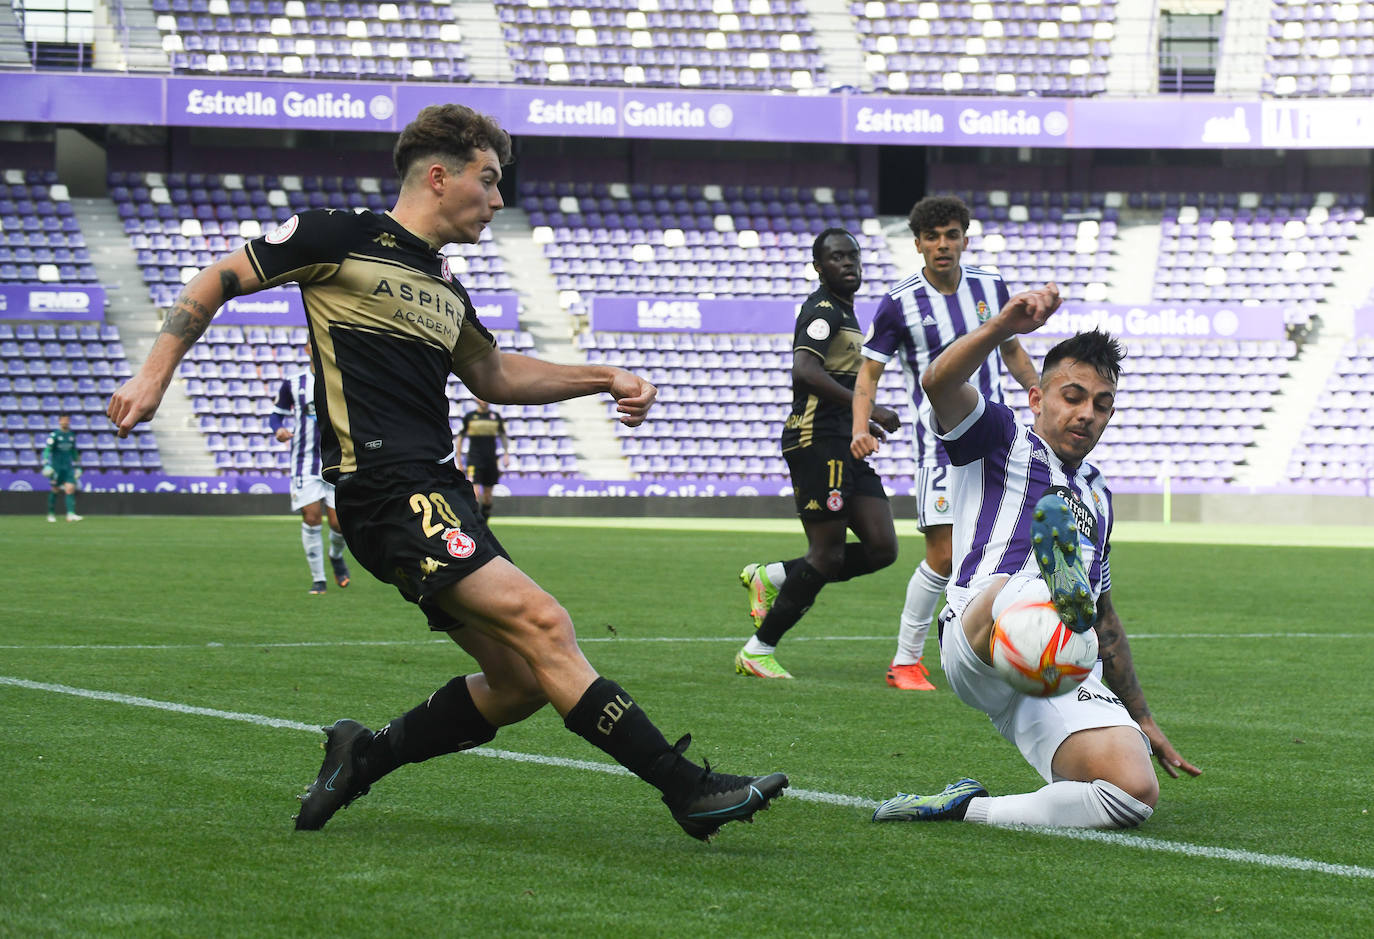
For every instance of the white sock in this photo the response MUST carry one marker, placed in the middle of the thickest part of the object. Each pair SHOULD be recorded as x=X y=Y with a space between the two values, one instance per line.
x=314 y=551
x=922 y=594
x=1065 y=804
x=776 y=573
x=754 y=647
x=1021 y=587
x=336 y=544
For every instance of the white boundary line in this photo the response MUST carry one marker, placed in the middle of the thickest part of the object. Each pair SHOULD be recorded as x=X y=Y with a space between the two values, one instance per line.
x=1282 y=861
x=343 y=643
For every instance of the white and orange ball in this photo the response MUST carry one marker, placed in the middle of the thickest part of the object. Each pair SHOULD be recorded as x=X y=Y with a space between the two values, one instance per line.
x=1037 y=654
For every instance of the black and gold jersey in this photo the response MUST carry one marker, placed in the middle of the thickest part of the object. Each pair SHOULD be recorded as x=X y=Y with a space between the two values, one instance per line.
x=388 y=322
x=826 y=327
x=482 y=428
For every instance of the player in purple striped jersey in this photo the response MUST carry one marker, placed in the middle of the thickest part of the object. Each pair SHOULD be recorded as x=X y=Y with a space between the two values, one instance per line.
x=293 y=420
x=1092 y=746
x=915 y=321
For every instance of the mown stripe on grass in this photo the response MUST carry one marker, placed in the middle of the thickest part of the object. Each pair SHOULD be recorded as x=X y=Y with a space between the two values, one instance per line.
x=343 y=643
x=1282 y=861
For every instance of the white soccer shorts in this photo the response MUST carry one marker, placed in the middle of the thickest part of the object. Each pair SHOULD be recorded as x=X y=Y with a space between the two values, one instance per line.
x=933 y=504
x=309 y=490
x=1036 y=725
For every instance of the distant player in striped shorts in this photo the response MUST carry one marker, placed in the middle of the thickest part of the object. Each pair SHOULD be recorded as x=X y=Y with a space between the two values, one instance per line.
x=293 y=421
x=915 y=321
x=1033 y=523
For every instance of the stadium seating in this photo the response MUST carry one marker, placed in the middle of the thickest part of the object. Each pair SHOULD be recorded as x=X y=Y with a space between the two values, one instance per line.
x=65 y=368
x=928 y=47
x=180 y=222
x=1031 y=238
x=232 y=377
x=398 y=41
x=1185 y=409
x=698 y=241
x=40 y=239
x=1272 y=248
x=1335 y=452
x=1171 y=417
x=744 y=44
x=721 y=402
x=1320 y=49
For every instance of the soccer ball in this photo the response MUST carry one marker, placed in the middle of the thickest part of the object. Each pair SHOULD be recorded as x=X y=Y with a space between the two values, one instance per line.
x=1037 y=654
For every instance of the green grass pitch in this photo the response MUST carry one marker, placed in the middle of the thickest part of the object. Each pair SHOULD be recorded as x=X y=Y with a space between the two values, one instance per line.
x=160 y=678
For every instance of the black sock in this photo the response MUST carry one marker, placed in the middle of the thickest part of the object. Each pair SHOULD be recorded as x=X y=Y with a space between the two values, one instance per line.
x=794 y=599
x=791 y=567
x=448 y=721
x=486 y=511
x=856 y=562
x=607 y=718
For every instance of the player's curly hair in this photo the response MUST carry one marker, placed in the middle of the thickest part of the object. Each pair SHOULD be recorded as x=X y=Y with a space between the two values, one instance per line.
x=820 y=240
x=934 y=212
x=1096 y=348
x=451 y=131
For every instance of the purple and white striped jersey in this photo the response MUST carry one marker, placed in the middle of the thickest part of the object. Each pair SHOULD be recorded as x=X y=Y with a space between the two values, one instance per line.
x=295 y=410
x=1000 y=470
x=918 y=321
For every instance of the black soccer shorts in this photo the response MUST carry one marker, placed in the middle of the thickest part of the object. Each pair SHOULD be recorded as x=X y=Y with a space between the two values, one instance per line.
x=825 y=477
x=415 y=525
x=484 y=474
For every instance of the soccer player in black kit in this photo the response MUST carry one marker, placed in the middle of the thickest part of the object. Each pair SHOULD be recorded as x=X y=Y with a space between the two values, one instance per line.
x=834 y=492
x=481 y=429
x=388 y=322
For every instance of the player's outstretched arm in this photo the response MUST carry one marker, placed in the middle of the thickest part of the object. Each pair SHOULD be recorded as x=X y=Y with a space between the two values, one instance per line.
x=511 y=378
x=1118 y=670
x=945 y=381
x=137 y=400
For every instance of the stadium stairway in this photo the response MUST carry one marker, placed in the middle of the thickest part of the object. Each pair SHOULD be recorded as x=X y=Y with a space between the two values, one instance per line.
x=1241 y=68
x=839 y=41
x=897 y=234
x=1298 y=391
x=128 y=308
x=1133 y=67
x=1136 y=256
x=13 y=54
x=1354 y=282
x=482 y=40
x=550 y=325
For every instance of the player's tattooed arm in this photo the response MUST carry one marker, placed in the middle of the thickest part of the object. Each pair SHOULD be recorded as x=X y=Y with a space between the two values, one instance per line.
x=190 y=316
x=1118 y=669
x=188 y=319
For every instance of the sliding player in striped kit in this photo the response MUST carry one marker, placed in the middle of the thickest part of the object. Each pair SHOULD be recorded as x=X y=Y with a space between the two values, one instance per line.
x=1033 y=523
x=293 y=420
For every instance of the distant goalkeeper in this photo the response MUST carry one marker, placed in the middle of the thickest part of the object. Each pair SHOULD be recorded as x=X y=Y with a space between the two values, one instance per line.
x=62 y=467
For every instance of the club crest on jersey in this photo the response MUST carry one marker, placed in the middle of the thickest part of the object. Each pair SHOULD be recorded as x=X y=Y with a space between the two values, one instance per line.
x=459 y=544
x=445 y=271
x=834 y=502
x=941 y=504
x=983 y=311
x=283 y=231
